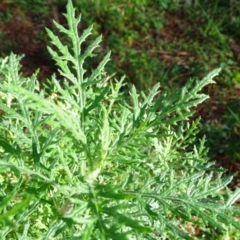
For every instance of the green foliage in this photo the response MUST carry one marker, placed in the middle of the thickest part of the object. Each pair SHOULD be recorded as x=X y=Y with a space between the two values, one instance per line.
x=128 y=28
x=217 y=22
x=81 y=160
x=223 y=135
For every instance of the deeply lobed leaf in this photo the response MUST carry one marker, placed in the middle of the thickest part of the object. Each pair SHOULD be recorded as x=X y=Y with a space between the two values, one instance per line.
x=87 y=162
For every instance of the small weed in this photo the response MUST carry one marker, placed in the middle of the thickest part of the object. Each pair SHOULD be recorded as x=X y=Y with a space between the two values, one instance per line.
x=79 y=159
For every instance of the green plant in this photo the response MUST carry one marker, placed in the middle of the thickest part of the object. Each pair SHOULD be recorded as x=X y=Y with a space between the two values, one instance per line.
x=81 y=160
x=130 y=29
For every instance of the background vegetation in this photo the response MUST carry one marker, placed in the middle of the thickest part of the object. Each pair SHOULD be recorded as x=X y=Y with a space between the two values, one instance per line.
x=162 y=41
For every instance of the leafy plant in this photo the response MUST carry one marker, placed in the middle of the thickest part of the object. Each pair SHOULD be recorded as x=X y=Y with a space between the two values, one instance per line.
x=130 y=29
x=80 y=159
